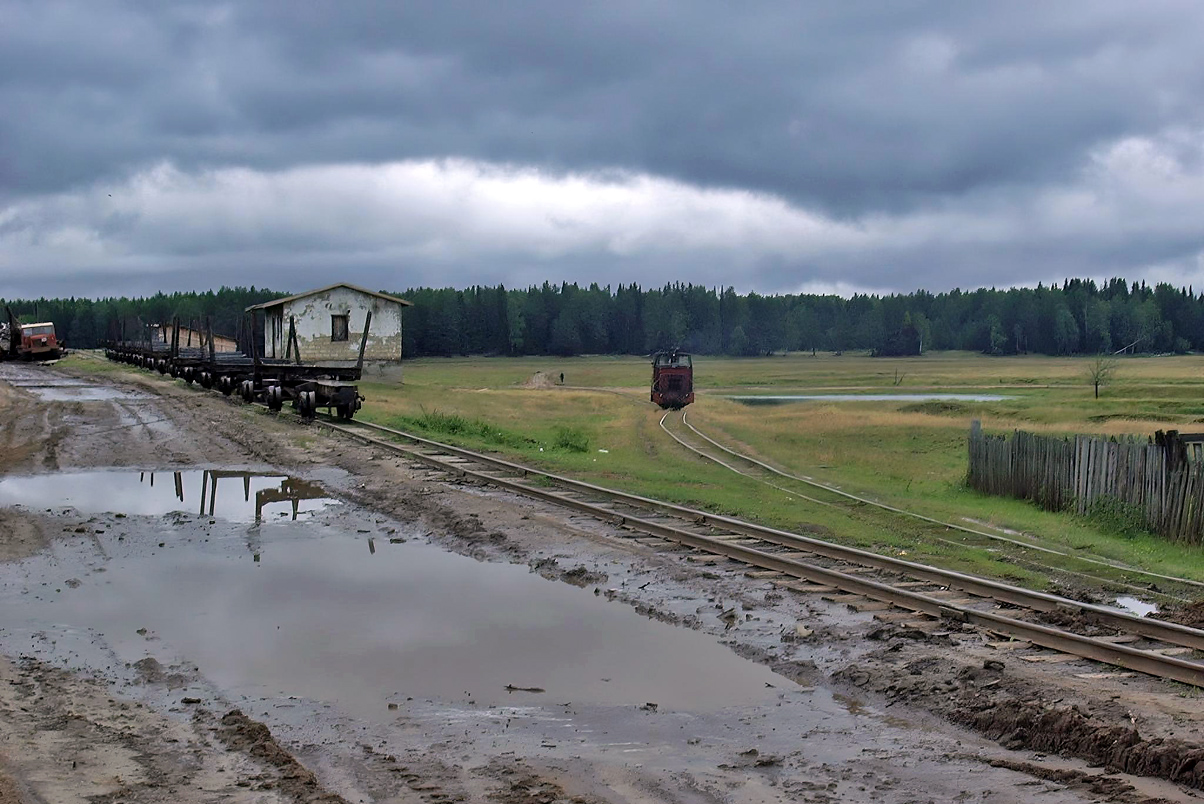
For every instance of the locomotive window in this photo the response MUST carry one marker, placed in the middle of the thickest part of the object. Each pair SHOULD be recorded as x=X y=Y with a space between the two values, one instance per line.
x=672 y=361
x=48 y=329
x=338 y=328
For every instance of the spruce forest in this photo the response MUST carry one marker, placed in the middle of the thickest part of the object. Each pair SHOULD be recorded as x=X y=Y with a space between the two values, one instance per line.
x=1076 y=317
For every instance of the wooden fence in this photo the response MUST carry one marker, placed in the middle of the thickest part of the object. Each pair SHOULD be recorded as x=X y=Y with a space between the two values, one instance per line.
x=1161 y=477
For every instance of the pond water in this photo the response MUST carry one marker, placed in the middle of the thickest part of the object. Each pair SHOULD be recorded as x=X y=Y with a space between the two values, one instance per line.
x=782 y=399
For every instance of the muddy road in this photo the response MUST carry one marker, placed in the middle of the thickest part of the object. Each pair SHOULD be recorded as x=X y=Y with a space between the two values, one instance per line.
x=204 y=602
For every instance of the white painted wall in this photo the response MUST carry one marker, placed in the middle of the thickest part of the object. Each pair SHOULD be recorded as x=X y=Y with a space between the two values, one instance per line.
x=313 y=315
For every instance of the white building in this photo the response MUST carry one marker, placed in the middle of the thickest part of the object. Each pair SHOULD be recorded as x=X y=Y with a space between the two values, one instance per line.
x=329 y=325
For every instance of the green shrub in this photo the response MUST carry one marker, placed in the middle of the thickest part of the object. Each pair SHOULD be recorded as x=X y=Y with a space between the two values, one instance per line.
x=572 y=439
x=436 y=422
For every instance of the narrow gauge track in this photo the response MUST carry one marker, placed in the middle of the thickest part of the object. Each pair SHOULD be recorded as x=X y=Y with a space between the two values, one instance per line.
x=1145 y=645
x=694 y=440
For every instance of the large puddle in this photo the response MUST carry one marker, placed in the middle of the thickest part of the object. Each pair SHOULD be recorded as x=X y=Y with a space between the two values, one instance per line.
x=365 y=623
x=230 y=495
x=768 y=399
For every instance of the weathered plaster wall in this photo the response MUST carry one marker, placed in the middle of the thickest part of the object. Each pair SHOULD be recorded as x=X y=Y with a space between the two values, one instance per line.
x=313 y=314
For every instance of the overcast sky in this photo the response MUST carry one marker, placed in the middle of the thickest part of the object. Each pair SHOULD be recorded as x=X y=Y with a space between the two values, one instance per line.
x=771 y=146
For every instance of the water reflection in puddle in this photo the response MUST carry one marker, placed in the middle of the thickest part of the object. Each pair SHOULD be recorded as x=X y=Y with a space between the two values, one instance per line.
x=231 y=495
x=328 y=619
x=767 y=399
x=1136 y=606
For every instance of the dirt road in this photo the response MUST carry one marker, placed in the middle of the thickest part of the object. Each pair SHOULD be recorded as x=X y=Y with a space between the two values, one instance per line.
x=204 y=602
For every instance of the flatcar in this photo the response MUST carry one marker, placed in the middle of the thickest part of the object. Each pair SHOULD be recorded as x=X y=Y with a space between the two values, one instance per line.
x=672 y=379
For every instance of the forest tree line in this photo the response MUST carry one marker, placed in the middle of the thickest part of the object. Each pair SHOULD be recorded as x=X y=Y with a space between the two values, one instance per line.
x=1076 y=317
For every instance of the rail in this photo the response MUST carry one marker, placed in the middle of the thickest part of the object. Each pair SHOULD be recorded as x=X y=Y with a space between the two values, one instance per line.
x=569 y=493
x=912 y=514
x=575 y=494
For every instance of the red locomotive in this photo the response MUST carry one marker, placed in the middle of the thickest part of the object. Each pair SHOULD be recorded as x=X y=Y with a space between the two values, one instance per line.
x=672 y=379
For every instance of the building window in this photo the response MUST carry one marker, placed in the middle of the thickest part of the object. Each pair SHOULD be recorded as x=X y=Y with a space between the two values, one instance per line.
x=338 y=327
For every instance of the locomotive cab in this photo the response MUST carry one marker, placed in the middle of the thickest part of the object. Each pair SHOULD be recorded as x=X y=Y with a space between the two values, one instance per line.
x=672 y=379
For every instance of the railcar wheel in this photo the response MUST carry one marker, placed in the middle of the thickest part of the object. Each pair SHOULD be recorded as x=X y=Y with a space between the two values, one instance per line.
x=307 y=404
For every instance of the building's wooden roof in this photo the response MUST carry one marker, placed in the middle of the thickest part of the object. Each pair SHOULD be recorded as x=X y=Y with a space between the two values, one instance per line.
x=356 y=288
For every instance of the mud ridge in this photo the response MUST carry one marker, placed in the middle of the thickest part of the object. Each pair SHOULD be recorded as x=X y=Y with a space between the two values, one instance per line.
x=241 y=733
x=1013 y=714
x=1097 y=784
x=521 y=785
x=1069 y=732
x=580 y=575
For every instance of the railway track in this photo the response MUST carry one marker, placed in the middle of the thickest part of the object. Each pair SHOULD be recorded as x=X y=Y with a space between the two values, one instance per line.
x=891 y=587
x=882 y=515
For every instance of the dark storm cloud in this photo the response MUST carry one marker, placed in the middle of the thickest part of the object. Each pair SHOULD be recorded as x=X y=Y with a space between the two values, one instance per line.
x=842 y=105
x=853 y=113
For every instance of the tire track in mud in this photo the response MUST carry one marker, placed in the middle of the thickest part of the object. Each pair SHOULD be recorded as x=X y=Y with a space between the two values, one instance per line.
x=52 y=435
x=29 y=435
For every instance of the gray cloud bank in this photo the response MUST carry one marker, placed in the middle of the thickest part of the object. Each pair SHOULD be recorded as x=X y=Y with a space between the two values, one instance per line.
x=775 y=147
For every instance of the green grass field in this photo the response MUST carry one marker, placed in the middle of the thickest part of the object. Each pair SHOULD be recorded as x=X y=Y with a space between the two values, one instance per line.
x=600 y=426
